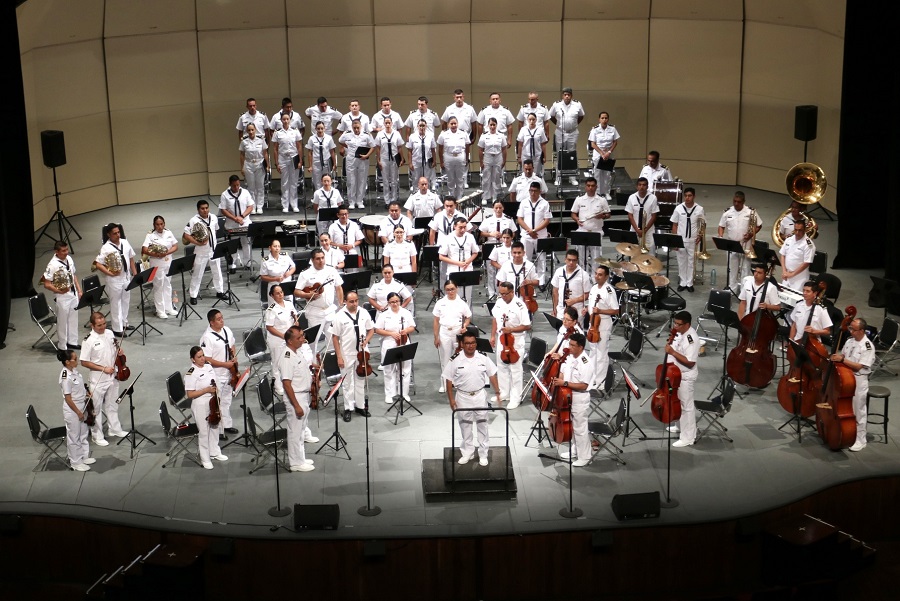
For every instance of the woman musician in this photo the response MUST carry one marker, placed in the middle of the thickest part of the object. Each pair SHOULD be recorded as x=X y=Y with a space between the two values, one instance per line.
x=277 y=268
x=200 y=386
x=379 y=293
x=394 y=326
x=159 y=245
x=74 y=392
x=280 y=315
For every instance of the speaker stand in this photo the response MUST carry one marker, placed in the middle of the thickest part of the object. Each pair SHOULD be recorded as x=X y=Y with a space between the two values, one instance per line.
x=65 y=226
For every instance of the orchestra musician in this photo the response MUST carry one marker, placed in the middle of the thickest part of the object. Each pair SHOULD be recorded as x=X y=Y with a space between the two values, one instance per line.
x=519 y=271
x=346 y=235
x=735 y=225
x=218 y=346
x=400 y=253
x=287 y=147
x=320 y=154
x=531 y=143
x=254 y=156
x=518 y=188
x=380 y=291
x=452 y=316
x=279 y=316
x=858 y=354
x=394 y=219
x=203 y=252
x=98 y=354
x=353 y=142
x=351 y=332
x=510 y=316
x=751 y=291
x=602 y=299
x=159 y=238
x=796 y=255
x=533 y=218
x=277 y=268
x=327 y=294
x=66 y=297
x=821 y=323
x=686 y=223
x=603 y=140
x=654 y=172
x=199 y=386
x=423 y=202
x=571 y=285
x=114 y=242
x=683 y=352
x=588 y=211
x=575 y=373
x=502 y=253
x=569 y=322
x=334 y=256
x=492 y=225
x=296 y=380
x=453 y=152
x=642 y=209
x=390 y=158
x=492 y=157
x=465 y=377
x=440 y=227
x=458 y=251
x=236 y=205
x=74 y=392
x=422 y=147
x=392 y=325
x=327 y=197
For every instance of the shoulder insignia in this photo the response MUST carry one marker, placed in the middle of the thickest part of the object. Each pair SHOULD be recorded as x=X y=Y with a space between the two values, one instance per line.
x=868 y=345
x=287 y=354
x=524 y=105
x=483 y=353
x=64 y=374
x=584 y=359
x=690 y=339
x=88 y=336
x=190 y=371
x=272 y=306
x=609 y=289
x=663 y=166
x=454 y=356
x=808 y=242
x=203 y=344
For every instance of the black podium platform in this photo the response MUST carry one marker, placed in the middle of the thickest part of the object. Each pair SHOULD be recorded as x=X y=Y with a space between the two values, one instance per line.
x=473 y=482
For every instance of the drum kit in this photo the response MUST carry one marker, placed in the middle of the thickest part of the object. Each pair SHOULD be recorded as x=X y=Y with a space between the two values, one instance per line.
x=632 y=298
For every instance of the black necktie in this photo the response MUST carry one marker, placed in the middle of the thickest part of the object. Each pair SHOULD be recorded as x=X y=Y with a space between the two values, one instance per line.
x=390 y=147
x=533 y=213
x=688 y=215
x=532 y=143
x=753 y=297
x=321 y=153
x=641 y=212
x=423 y=154
x=355 y=328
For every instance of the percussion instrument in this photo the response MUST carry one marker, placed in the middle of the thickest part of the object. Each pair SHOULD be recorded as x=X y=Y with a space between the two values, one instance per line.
x=239 y=231
x=370 y=225
x=660 y=281
x=627 y=249
x=624 y=286
x=290 y=226
x=607 y=262
x=648 y=264
x=669 y=194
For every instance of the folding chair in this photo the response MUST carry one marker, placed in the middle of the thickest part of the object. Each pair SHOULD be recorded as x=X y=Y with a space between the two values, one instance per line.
x=819 y=263
x=717 y=298
x=885 y=346
x=603 y=433
x=44 y=317
x=182 y=434
x=267 y=402
x=257 y=350
x=177 y=395
x=536 y=353
x=715 y=409
x=598 y=396
x=629 y=353
x=92 y=282
x=267 y=443
x=51 y=438
x=832 y=285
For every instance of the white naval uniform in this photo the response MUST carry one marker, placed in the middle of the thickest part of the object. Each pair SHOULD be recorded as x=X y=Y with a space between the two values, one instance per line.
x=603 y=137
x=795 y=253
x=533 y=215
x=465 y=115
x=459 y=249
x=236 y=204
x=119 y=298
x=323 y=199
x=162 y=283
x=357 y=167
x=391 y=321
x=642 y=209
x=502 y=114
x=540 y=112
x=510 y=374
x=660 y=174
x=388 y=225
x=586 y=207
x=102 y=351
x=281 y=317
x=492 y=173
x=423 y=205
x=421 y=156
x=255 y=169
x=578 y=283
x=688 y=344
x=295 y=367
x=500 y=254
x=516 y=274
x=295 y=123
x=203 y=255
x=451 y=315
x=736 y=224
x=379 y=291
x=442 y=223
x=431 y=119
x=456 y=157
x=321 y=156
x=377 y=122
x=275 y=267
x=349 y=329
x=862 y=352
x=688 y=222
x=326 y=118
x=389 y=146
x=600 y=350
x=290 y=175
x=567 y=116
x=820 y=320
x=198 y=378
x=521 y=184
x=400 y=255
x=216 y=345
x=77 y=447
x=346 y=234
x=322 y=309
x=346 y=122
x=531 y=140
x=750 y=293
x=259 y=120
x=66 y=315
x=578 y=370
x=469 y=377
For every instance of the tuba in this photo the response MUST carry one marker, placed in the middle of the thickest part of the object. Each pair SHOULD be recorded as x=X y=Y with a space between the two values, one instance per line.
x=812 y=228
x=750 y=253
x=806 y=184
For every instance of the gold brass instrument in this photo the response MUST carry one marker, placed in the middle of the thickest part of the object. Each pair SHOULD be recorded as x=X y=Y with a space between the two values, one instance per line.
x=750 y=253
x=198 y=232
x=812 y=228
x=701 y=253
x=157 y=248
x=644 y=249
x=806 y=183
x=62 y=280
x=113 y=262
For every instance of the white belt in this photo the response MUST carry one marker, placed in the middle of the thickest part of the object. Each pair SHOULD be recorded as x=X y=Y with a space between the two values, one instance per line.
x=469 y=393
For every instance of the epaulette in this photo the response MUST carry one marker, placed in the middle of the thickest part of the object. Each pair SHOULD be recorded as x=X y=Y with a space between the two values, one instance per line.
x=868 y=345
x=486 y=107
x=663 y=166
x=272 y=306
x=190 y=371
x=808 y=242
x=63 y=374
x=283 y=254
x=690 y=340
x=609 y=289
x=454 y=355
x=203 y=344
x=245 y=136
x=524 y=105
x=483 y=353
x=584 y=359
x=519 y=303
x=88 y=336
x=287 y=354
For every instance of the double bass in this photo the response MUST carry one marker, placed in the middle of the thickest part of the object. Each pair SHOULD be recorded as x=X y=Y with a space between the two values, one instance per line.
x=751 y=362
x=508 y=354
x=835 y=420
x=799 y=388
x=664 y=404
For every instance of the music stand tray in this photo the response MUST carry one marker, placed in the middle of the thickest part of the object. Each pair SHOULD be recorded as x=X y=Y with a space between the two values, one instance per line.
x=511 y=208
x=90 y=298
x=618 y=236
x=410 y=278
x=668 y=240
x=178 y=267
x=227 y=248
x=554 y=322
x=732 y=246
x=586 y=238
x=138 y=281
x=356 y=280
x=551 y=245
x=421 y=223
x=326 y=214
x=399 y=354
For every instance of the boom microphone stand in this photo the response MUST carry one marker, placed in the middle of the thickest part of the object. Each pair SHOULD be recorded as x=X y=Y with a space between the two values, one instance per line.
x=132 y=432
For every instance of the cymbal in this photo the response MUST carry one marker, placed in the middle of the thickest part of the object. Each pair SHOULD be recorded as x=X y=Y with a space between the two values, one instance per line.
x=660 y=281
x=628 y=249
x=623 y=286
x=628 y=266
x=649 y=264
x=607 y=262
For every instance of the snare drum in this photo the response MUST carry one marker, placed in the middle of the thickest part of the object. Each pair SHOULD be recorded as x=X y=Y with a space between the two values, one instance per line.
x=636 y=295
x=370 y=226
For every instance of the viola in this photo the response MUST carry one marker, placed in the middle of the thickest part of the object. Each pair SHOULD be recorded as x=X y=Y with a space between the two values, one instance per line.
x=751 y=362
x=363 y=369
x=315 y=371
x=526 y=293
x=508 y=354
x=664 y=404
x=123 y=371
x=835 y=420
x=593 y=333
x=215 y=416
x=799 y=388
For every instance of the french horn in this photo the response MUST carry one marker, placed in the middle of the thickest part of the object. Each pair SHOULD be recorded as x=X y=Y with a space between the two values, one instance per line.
x=62 y=280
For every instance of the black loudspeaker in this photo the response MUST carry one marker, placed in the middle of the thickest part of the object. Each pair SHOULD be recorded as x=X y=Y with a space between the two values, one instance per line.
x=636 y=506
x=53 y=147
x=316 y=517
x=805 y=119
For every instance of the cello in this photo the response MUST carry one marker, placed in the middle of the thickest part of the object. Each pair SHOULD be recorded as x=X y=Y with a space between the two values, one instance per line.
x=551 y=368
x=664 y=404
x=560 y=421
x=508 y=354
x=751 y=362
x=835 y=420
x=799 y=388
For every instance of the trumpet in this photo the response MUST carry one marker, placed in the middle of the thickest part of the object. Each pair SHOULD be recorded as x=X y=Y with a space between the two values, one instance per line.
x=750 y=253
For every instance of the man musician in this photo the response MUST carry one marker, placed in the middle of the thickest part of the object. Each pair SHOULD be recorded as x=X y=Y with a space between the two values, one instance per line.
x=236 y=205
x=296 y=378
x=588 y=211
x=683 y=352
x=735 y=225
x=751 y=292
x=458 y=252
x=796 y=255
x=571 y=285
x=452 y=316
x=642 y=208
x=67 y=292
x=325 y=293
x=820 y=323
x=858 y=354
x=114 y=243
x=218 y=343
x=533 y=218
x=602 y=300
x=510 y=316
x=575 y=374
x=686 y=223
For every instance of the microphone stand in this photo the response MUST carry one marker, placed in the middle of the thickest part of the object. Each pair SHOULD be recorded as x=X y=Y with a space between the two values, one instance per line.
x=132 y=432
x=278 y=511
x=368 y=510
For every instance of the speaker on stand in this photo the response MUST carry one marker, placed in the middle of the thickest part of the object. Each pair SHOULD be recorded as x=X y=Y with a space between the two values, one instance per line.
x=806 y=118
x=53 y=150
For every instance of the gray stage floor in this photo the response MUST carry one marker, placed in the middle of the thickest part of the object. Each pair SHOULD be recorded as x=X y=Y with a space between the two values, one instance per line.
x=763 y=468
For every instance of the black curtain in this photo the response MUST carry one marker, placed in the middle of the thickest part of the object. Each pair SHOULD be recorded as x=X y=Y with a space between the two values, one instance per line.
x=16 y=213
x=869 y=161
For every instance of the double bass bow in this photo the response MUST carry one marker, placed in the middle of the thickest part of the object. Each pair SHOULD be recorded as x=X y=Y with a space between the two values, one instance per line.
x=799 y=388
x=751 y=362
x=664 y=403
x=835 y=420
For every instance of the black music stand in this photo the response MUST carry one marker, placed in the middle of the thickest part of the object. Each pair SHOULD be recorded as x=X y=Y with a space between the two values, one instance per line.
x=641 y=282
x=511 y=208
x=226 y=249
x=340 y=443
x=631 y=387
x=242 y=390
x=90 y=298
x=669 y=241
x=618 y=236
x=802 y=357
x=356 y=280
x=133 y=433
x=180 y=266
x=326 y=215
x=430 y=257
x=261 y=235
x=730 y=246
x=550 y=246
x=726 y=318
x=586 y=239
x=465 y=280
x=409 y=278
x=138 y=281
x=399 y=354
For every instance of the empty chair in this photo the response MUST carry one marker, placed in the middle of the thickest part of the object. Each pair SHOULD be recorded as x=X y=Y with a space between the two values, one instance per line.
x=819 y=263
x=50 y=438
x=717 y=298
x=714 y=410
x=267 y=402
x=832 y=285
x=885 y=347
x=267 y=443
x=43 y=317
x=630 y=352
x=602 y=432
x=598 y=396
x=177 y=395
x=257 y=350
x=182 y=434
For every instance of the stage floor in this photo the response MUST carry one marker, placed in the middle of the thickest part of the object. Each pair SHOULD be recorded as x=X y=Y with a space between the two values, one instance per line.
x=765 y=467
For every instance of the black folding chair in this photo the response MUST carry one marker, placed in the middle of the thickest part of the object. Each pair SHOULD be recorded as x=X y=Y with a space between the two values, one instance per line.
x=267 y=402
x=603 y=432
x=885 y=347
x=181 y=434
x=629 y=353
x=43 y=317
x=257 y=350
x=177 y=395
x=267 y=443
x=714 y=410
x=50 y=438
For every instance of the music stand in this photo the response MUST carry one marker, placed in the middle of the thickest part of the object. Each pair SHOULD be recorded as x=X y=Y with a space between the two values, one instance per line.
x=326 y=215
x=138 y=281
x=730 y=246
x=261 y=235
x=340 y=443
x=430 y=257
x=226 y=249
x=630 y=388
x=641 y=282
x=180 y=266
x=669 y=241
x=241 y=389
x=399 y=354
x=356 y=280
x=511 y=208
x=618 y=236
x=465 y=280
x=554 y=322
x=132 y=432
x=586 y=239
x=802 y=357
x=550 y=246
x=91 y=297
x=726 y=318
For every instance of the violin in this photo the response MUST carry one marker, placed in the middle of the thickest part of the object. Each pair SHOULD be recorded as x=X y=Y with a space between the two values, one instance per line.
x=90 y=416
x=751 y=362
x=664 y=404
x=462 y=322
x=123 y=372
x=526 y=292
x=593 y=333
x=363 y=369
x=235 y=372
x=404 y=338
x=799 y=388
x=316 y=288
x=509 y=354
x=215 y=416
x=835 y=420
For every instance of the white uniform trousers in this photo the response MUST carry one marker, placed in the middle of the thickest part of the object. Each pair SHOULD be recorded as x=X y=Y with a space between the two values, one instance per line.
x=357 y=177
x=464 y=400
x=296 y=429
x=688 y=422
x=539 y=259
x=565 y=140
x=580 y=437
x=255 y=180
x=242 y=256
x=509 y=375
x=456 y=177
x=417 y=172
x=492 y=279
x=105 y=394
x=599 y=355
x=119 y=302
x=392 y=378
x=208 y=436
x=77 y=447
x=604 y=180
x=491 y=177
x=289 y=179
x=318 y=317
x=448 y=344
x=226 y=393
x=740 y=268
x=685 y=258
x=276 y=351
x=859 y=407
x=215 y=268
x=162 y=288
x=390 y=180
x=318 y=172
x=353 y=387
x=67 y=320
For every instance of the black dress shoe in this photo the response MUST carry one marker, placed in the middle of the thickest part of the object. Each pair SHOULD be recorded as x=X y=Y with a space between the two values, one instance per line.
x=222 y=437
x=73 y=347
x=347 y=415
x=681 y=288
x=193 y=300
x=363 y=412
x=232 y=270
x=222 y=296
x=231 y=430
x=690 y=288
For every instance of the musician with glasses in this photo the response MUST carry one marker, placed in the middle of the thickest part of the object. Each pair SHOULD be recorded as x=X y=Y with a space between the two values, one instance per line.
x=751 y=292
x=510 y=316
x=393 y=325
x=218 y=345
x=519 y=271
x=858 y=354
x=116 y=251
x=60 y=279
